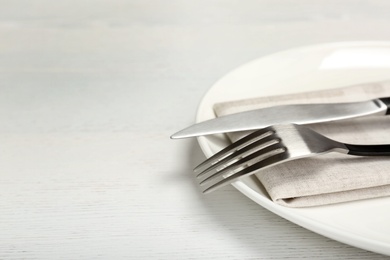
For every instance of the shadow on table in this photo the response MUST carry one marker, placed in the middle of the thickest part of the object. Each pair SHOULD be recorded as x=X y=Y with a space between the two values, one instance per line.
x=262 y=231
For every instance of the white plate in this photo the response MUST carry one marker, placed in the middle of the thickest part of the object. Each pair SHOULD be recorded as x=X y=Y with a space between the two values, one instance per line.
x=364 y=224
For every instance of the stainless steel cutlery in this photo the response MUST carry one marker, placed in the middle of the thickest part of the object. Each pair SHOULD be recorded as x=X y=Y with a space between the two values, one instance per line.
x=281 y=138
x=271 y=146
x=297 y=114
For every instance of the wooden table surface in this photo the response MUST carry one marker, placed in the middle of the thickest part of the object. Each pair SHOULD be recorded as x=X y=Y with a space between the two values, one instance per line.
x=90 y=92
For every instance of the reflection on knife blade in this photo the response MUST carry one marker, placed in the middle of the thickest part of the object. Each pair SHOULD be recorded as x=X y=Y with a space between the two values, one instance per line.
x=298 y=114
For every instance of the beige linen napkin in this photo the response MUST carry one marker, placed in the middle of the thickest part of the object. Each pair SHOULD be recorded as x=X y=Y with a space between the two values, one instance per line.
x=330 y=178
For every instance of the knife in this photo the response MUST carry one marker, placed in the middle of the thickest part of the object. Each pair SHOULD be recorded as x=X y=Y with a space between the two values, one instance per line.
x=298 y=114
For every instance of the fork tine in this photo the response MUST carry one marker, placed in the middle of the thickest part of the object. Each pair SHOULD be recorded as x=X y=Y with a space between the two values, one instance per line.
x=251 y=159
x=257 y=145
x=235 y=146
x=273 y=160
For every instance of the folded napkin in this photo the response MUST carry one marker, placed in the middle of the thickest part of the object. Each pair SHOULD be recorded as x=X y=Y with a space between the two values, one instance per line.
x=330 y=178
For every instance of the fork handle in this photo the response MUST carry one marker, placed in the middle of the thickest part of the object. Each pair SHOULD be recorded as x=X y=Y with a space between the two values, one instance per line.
x=386 y=101
x=369 y=150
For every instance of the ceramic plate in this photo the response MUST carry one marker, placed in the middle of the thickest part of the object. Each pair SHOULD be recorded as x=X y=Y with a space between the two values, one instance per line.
x=364 y=224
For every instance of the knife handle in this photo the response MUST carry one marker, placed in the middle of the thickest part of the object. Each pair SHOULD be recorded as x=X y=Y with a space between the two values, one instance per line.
x=386 y=101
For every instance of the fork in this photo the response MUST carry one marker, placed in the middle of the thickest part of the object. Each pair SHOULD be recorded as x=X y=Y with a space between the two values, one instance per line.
x=271 y=146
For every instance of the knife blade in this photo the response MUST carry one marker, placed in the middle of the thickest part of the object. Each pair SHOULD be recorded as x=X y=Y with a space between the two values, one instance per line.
x=298 y=114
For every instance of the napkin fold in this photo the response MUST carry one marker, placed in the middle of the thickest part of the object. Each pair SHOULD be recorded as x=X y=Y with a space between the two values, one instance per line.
x=333 y=177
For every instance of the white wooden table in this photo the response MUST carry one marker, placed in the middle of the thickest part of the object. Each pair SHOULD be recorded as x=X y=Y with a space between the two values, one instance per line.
x=90 y=92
